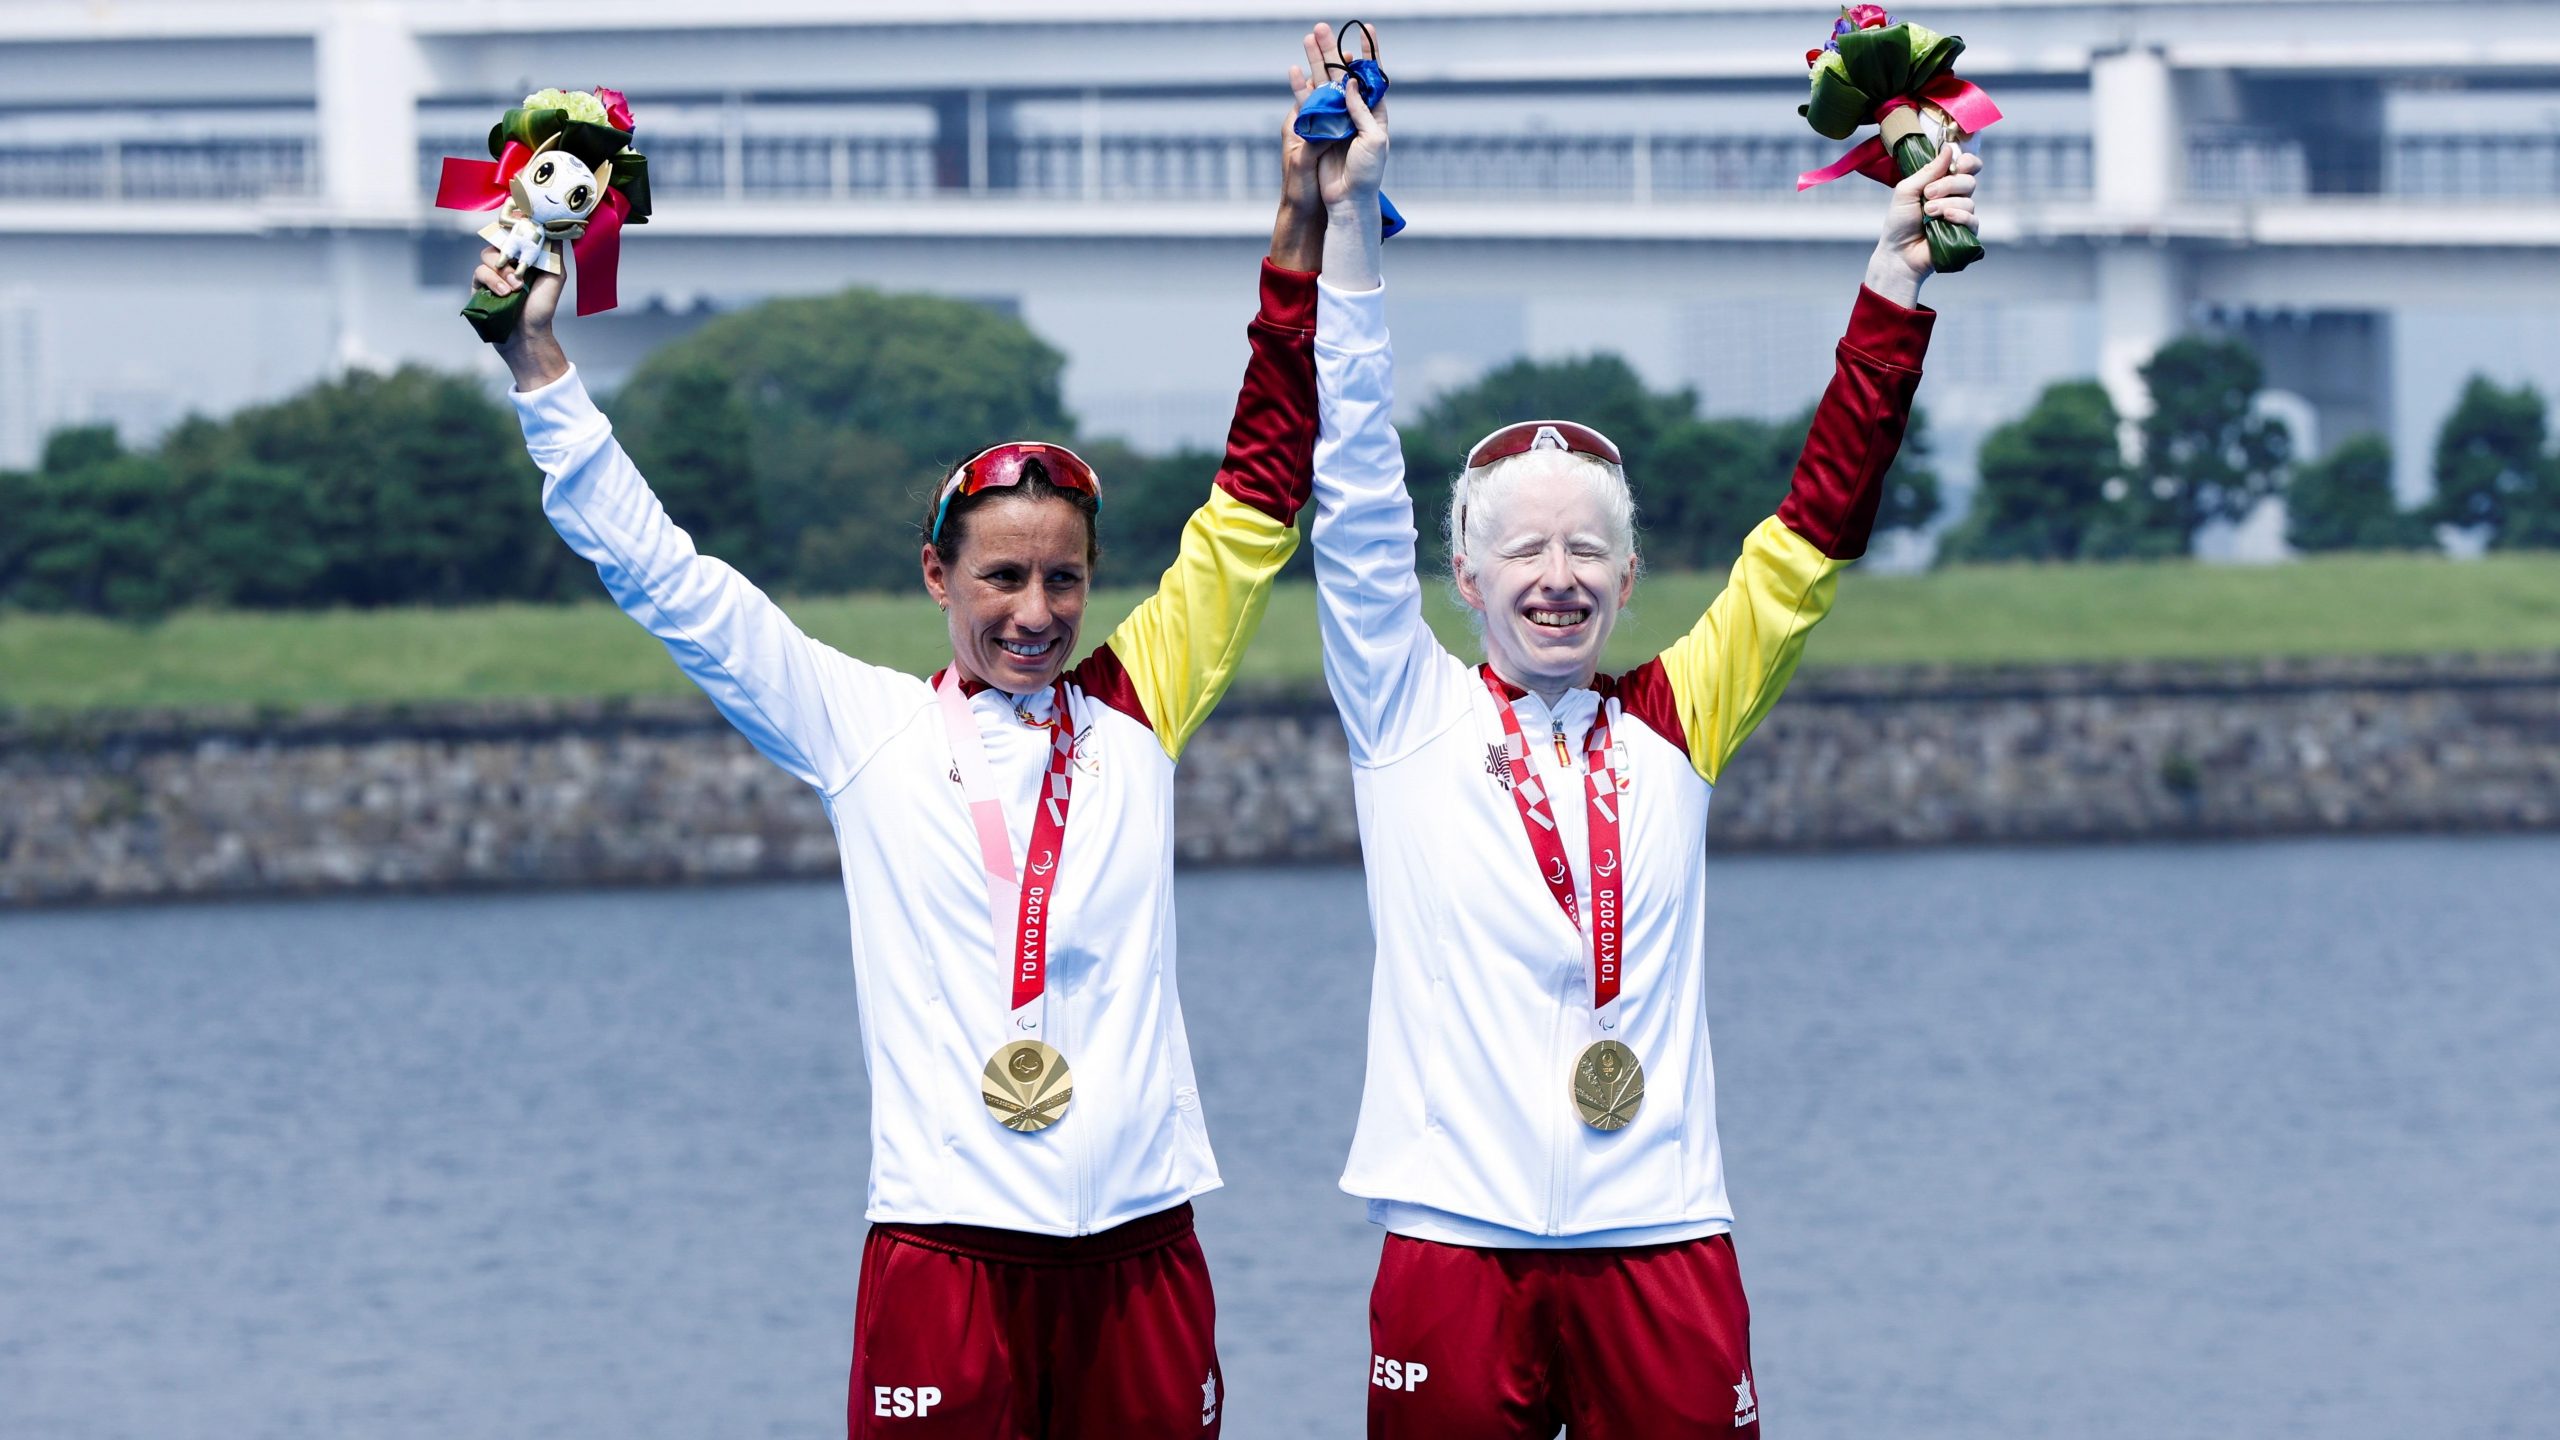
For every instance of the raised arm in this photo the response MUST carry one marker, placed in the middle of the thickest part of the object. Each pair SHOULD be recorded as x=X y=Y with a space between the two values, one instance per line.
x=1176 y=654
x=1379 y=651
x=801 y=703
x=1713 y=686
x=1178 y=651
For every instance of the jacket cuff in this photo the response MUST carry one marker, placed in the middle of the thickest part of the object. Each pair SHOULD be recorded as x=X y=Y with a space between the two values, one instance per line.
x=1288 y=297
x=1351 y=322
x=559 y=417
x=1894 y=334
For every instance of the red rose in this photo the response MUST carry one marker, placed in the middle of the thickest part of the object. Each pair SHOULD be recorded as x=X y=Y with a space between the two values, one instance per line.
x=1869 y=17
x=1812 y=58
x=616 y=109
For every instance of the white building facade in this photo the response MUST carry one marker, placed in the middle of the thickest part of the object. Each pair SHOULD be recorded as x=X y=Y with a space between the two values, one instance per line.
x=205 y=204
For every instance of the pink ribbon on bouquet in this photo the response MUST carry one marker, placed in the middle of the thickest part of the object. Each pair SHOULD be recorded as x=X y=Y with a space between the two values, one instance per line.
x=482 y=185
x=599 y=252
x=479 y=184
x=1964 y=102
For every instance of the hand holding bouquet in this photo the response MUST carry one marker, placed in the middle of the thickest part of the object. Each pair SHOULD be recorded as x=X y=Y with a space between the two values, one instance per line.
x=1900 y=78
x=563 y=173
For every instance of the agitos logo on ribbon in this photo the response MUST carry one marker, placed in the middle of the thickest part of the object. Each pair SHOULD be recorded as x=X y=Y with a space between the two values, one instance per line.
x=1899 y=78
x=562 y=172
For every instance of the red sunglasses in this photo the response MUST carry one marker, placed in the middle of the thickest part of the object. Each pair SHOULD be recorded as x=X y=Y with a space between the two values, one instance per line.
x=998 y=466
x=1528 y=435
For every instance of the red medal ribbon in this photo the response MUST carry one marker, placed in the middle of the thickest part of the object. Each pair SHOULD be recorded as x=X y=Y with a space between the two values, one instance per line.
x=1040 y=869
x=1607 y=862
x=1037 y=888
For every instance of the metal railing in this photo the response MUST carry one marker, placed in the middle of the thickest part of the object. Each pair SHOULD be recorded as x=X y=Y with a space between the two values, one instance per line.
x=2404 y=167
x=230 y=169
x=2473 y=166
x=762 y=167
x=1613 y=169
x=1624 y=169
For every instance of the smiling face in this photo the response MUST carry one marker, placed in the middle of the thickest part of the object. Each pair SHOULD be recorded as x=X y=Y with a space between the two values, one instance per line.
x=1548 y=560
x=1014 y=589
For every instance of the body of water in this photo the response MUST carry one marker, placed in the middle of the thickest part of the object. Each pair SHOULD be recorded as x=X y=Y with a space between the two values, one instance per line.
x=2236 y=1140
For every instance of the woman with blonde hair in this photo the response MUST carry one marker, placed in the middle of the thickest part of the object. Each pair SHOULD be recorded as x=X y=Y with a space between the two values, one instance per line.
x=1538 y=1133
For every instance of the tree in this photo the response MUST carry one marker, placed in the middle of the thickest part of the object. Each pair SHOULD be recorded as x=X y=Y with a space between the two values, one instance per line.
x=1601 y=391
x=1707 y=483
x=2492 y=473
x=1147 y=499
x=420 y=490
x=1701 y=485
x=2206 y=454
x=79 y=447
x=254 y=537
x=18 y=491
x=694 y=451
x=846 y=409
x=100 y=538
x=2344 y=502
x=2049 y=479
x=1911 y=493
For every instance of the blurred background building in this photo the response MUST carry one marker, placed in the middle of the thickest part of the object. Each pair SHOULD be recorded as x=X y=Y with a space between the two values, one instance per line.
x=205 y=203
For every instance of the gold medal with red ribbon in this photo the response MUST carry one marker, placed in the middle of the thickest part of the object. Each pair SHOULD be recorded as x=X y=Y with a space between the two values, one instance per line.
x=1608 y=1079
x=1026 y=1084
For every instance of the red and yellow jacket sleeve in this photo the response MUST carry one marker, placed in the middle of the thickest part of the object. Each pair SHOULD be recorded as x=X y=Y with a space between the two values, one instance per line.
x=1711 y=688
x=1171 y=660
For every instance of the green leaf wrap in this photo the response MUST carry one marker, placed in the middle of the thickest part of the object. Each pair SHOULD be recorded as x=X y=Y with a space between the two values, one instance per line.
x=495 y=317
x=594 y=144
x=1871 y=67
x=1951 y=247
x=631 y=177
x=528 y=128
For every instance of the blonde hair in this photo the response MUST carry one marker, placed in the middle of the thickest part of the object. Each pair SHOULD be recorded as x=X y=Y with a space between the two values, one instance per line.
x=1478 y=497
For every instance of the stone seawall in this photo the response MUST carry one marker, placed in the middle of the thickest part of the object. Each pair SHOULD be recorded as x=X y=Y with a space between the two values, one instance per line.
x=147 y=806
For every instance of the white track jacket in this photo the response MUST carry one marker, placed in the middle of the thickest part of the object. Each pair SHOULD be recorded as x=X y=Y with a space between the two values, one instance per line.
x=1482 y=992
x=935 y=990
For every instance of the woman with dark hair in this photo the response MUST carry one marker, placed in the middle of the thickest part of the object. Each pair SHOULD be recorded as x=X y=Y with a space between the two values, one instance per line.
x=1006 y=832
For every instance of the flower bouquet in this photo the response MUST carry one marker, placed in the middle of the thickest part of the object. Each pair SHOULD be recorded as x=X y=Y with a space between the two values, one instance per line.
x=1897 y=77
x=562 y=172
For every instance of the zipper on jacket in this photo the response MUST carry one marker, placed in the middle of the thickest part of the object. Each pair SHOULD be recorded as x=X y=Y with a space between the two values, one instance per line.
x=1077 y=1153
x=1557 y=1039
x=1557 y=1141
x=1559 y=1138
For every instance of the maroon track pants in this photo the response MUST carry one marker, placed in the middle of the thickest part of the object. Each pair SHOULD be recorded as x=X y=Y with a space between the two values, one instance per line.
x=999 y=1335
x=1651 y=1342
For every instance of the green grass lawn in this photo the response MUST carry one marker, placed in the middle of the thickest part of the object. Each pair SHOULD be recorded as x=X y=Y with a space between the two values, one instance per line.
x=1979 y=615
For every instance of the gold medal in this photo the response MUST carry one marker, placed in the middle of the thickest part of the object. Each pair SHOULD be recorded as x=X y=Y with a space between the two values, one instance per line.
x=1027 y=1087
x=1608 y=1085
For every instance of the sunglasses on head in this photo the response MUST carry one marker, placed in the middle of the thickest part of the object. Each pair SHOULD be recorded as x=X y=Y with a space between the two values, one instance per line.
x=998 y=466
x=1528 y=435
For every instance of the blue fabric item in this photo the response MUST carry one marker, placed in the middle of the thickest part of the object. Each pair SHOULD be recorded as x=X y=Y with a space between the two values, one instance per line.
x=1327 y=115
